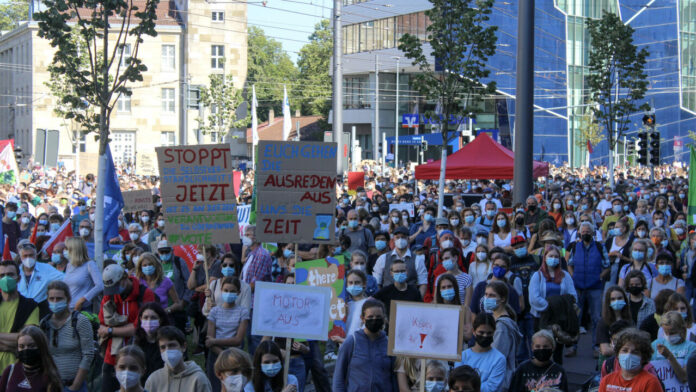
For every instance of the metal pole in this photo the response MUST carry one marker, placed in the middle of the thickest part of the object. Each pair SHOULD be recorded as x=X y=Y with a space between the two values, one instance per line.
x=383 y=154
x=375 y=133
x=338 y=84
x=297 y=126
x=396 y=120
x=352 y=148
x=524 y=120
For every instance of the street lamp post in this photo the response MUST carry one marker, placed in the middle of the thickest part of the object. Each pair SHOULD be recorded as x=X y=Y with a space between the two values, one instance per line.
x=396 y=119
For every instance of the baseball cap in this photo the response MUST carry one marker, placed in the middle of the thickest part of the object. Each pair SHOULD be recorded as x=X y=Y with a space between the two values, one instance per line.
x=518 y=239
x=401 y=230
x=441 y=222
x=112 y=276
x=164 y=244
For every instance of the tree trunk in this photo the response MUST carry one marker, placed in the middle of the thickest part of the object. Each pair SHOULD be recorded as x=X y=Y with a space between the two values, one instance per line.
x=444 y=128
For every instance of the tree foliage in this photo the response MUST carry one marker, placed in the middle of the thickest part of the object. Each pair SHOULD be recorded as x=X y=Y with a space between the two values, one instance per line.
x=314 y=80
x=222 y=99
x=590 y=131
x=13 y=12
x=269 y=68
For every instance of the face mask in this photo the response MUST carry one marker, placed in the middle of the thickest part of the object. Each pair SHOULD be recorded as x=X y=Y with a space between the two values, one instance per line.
x=160 y=223
x=400 y=277
x=556 y=206
x=618 y=304
x=165 y=256
x=127 y=378
x=134 y=236
x=674 y=339
x=11 y=214
x=29 y=356
x=149 y=326
x=659 y=222
x=43 y=222
x=635 y=290
x=287 y=253
x=641 y=233
x=354 y=290
x=172 y=358
x=227 y=271
x=684 y=315
x=499 y=272
x=55 y=227
x=629 y=361
x=664 y=243
x=617 y=209
x=380 y=244
x=664 y=269
x=651 y=251
x=532 y=207
x=374 y=325
x=149 y=270
x=8 y=284
x=614 y=232
x=570 y=221
x=405 y=218
x=428 y=217
x=488 y=196
x=447 y=294
x=481 y=256
x=353 y=224
x=679 y=231
x=234 y=383
x=395 y=219
x=57 y=307
x=483 y=341
x=55 y=258
x=585 y=207
x=229 y=297
x=454 y=222
x=337 y=250
x=271 y=369
x=552 y=262
x=501 y=222
x=637 y=255
x=25 y=220
x=458 y=208
x=469 y=219
x=449 y=264
x=489 y=304
x=29 y=262
x=521 y=252
x=145 y=219
x=401 y=243
x=447 y=244
x=246 y=241
x=490 y=214
x=359 y=267
x=84 y=232
x=682 y=195
x=542 y=354
x=434 y=386
x=481 y=240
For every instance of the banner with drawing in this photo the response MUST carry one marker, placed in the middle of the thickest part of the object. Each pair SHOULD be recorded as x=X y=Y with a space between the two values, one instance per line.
x=329 y=272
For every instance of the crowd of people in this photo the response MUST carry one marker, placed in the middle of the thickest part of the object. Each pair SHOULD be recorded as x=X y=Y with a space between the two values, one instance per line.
x=576 y=257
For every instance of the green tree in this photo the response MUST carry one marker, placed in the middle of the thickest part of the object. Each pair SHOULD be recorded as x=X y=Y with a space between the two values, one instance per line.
x=617 y=79
x=105 y=28
x=222 y=100
x=314 y=81
x=269 y=68
x=13 y=12
x=590 y=131
x=462 y=40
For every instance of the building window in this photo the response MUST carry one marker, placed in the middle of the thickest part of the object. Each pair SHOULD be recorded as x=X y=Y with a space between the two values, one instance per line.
x=123 y=147
x=168 y=104
x=124 y=104
x=218 y=16
x=356 y=92
x=167 y=139
x=168 y=60
x=217 y=57
x=124 y=53
x=82 y=142
x=194 y=97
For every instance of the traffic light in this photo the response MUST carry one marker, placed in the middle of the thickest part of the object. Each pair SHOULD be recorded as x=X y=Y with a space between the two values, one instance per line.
x=649 y=119
x=655 y=148
x=424 y=145
x=630 y=148
x=643 y=148
x=18 y=153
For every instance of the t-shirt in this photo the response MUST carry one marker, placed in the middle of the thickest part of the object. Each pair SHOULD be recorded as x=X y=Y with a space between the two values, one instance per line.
x=490 y=365
x=18 y=381
x=529 y=377
x=635 y=308
x=655 y=286
x=643 y=382
x=663 y=367
x=227 y=321
x=161 y=291
x=602 y=334
x=390 y=292
x=8 y=310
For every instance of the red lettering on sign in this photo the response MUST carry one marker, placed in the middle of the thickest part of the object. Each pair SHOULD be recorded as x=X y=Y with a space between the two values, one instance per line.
x=280 y=226
x=317 y=197
x=201 y=156
x=201 y=192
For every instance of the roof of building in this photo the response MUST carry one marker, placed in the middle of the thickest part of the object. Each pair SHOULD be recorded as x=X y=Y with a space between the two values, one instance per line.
x=309 y=128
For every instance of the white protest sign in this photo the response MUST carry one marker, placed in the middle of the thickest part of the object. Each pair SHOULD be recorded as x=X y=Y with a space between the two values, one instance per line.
x=291 y=311
x=403 y=206
x=665 y=372
x=424 y=330
x=243 y=215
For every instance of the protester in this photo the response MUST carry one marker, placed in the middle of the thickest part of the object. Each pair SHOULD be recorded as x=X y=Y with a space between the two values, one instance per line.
x=151 y=275
x=642 y=307
x=399 y=290
x=633 y=350
x=150 y=319
x=130 y=368
x=34 y=277
x=540 y=371
x=671 y=352
x=489 y=363
x=35 y=365
x=177 y=374
x=234 y=370
x=268 y=370
x=16 y=311
x=81 y=275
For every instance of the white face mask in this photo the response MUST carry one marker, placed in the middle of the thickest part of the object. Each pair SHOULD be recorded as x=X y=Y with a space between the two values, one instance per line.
x=234 y=383
x=160 y=223
x=29 y=262
x=246 y=241
x=84 y=232
x=401 y=243
x=127 y=378
x=172 y=358
x=134 y=236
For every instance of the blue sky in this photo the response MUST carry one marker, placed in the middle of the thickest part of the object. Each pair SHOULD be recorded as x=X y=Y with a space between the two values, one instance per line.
x=288 y=21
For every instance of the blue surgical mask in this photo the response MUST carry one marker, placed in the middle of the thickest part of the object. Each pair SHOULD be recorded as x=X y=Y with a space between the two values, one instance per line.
x=380 y=244
x=229 y=297
x=353 y=224
x=501 y=222
x=55 y=227
x=449 y=264
x=149 y=270
x=521 y=252
x=637 y=255
x=337 y=250
x=354 y=290
x=428 y=217
x=165 y=256
x=618 y=304
x=664 y=269
x=43 y=222
x=651 y=251
x=400 y=277
x=287 y=253
x=434 y=386
x=665 y=243
x=57 y=307
x=55 y=257
x=469 y=218
x=629 y=361
x=447 y=294
x=227 y=271
x=553 y=262
x=489 y=304
x=271 y=369
x=498 y=271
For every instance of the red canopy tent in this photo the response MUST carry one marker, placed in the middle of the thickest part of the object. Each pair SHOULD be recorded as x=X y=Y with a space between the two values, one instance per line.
x=481 y=159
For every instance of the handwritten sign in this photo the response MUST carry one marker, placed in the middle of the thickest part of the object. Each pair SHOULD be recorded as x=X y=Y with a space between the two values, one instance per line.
x=146 y=164
x=291 y=311
x=197 y=196
x=403 y=206
x=665 y=372
x=421 y=330
x=134 y=201
x=296 y=184
x=329 y=272
x=243 y=215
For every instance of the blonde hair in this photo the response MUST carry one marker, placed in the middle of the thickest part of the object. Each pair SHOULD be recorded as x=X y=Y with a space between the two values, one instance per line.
x=158 y=267
x=77 y=251
x=231 y=358
x=674 y=321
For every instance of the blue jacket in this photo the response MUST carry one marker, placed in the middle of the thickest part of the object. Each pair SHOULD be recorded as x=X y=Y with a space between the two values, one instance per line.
x=537 y=291
x=587 y=264
x=364 y=366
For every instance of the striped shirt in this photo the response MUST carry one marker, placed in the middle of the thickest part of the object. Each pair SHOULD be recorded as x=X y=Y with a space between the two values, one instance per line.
x=73 y=351
x=227 y=321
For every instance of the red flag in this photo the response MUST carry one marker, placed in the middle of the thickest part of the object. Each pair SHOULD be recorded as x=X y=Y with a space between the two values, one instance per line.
x=589 y=147
x=63 y=232
x=236 y=181
x=6 y=250
x=187 y=253
x=32 y=239
x=355 y=180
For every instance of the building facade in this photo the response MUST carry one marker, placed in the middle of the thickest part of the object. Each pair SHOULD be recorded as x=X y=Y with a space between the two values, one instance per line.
x=195 y=39
x=667 y=28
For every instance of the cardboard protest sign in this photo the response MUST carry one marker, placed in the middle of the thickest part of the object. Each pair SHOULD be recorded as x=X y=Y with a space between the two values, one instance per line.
x=665 y=371
x=403 y=206
x=296 y=192
x=291 y=311
x=146 y=164
x=197 y=196
x=329 y=272
x=423 y=330
x=137 y=200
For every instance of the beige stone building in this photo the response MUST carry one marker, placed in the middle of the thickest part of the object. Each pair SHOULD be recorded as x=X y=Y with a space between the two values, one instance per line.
x=196 y=38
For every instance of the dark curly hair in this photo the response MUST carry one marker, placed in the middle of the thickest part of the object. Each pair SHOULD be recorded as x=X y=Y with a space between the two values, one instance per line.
x=639 y=339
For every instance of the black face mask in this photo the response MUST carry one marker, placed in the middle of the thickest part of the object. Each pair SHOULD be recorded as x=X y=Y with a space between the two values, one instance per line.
x=484 y=341
x=531 y=208
x=374 y=325
x=29 y=356
x=635 y=290
x=542 y=354
x=519 y=221
x=586 y=237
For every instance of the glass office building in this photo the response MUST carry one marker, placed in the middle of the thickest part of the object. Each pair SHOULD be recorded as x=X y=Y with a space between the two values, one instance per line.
x=667 y=28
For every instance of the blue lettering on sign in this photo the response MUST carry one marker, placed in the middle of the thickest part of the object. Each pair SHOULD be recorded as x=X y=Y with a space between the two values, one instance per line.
x=270 y=165
x=170 y=210
x=290 y=151
x=301 y=210
x=269 y=209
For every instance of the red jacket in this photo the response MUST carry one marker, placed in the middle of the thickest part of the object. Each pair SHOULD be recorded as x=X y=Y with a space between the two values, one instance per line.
x=129 y=307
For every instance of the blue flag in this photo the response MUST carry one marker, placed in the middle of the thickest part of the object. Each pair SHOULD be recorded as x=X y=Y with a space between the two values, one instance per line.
x=113 y=200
